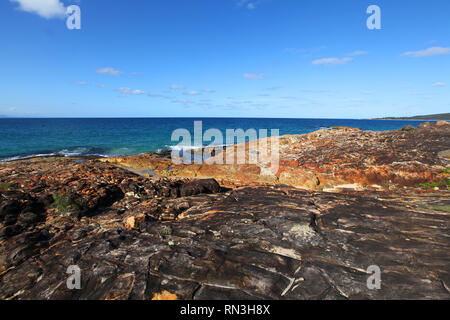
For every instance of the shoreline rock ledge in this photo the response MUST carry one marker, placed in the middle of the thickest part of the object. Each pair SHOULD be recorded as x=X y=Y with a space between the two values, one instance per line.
x=327 y=160
x=187 y=234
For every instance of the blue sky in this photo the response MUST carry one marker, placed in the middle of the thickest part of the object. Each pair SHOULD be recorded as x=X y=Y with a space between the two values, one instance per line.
x=224 y=58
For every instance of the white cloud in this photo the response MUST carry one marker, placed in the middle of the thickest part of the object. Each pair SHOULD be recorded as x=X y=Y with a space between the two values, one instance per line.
x=358 y=53
x=128 y=91
x=176 y=87
x=332 y=61
x=191 y=93
x=79 y=83
x=433 y=51
x=45 y=8
x=439 y=84
x=209 y=91
x=253 y=76
x=109 y=71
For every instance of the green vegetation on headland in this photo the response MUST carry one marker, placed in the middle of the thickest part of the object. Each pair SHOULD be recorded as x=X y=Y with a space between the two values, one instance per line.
x=431 y=117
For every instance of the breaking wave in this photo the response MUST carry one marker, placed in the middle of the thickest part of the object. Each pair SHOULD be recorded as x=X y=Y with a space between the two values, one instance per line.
x=66 y=152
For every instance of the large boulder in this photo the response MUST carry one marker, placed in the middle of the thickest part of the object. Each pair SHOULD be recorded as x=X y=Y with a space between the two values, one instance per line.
x=199 y=186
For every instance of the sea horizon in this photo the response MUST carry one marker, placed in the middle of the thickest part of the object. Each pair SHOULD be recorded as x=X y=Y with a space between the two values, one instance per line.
x=109 y=137
x=203 y=117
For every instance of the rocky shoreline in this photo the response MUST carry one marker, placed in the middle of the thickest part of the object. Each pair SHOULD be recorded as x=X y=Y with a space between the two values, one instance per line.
x=342 y=200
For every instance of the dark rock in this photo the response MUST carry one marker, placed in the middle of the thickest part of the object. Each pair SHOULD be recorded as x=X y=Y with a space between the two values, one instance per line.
x=37 y=236
x=34 y=206
x=78 y=234
x=26 y=246
x=28 y=218
x=10 y=231
x=12 y=207
x=207 y=186
x=10 y=219
x=105 y=197
x=46 y=200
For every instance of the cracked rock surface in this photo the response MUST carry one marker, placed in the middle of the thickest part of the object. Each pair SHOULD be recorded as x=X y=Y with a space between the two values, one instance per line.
x=206 y=242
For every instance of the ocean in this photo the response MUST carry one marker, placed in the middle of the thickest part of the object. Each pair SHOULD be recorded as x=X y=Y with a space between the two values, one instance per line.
x=24 y=138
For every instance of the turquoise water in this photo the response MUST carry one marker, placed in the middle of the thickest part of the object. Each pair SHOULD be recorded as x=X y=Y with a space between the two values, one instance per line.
x=22 y=138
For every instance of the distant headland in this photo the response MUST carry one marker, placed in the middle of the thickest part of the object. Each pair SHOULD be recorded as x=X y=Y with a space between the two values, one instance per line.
x=440 y=116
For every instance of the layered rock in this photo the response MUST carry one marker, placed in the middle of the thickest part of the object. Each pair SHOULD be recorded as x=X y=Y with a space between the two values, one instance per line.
x=203 y=242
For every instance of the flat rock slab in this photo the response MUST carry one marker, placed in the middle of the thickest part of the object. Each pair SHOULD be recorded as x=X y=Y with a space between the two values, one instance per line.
x=271 y=242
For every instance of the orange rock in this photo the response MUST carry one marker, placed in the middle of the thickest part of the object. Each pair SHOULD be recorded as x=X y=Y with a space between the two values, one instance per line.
x=289 y=163
x=131 y=222
x=326 y=158
x=165 y=295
